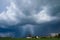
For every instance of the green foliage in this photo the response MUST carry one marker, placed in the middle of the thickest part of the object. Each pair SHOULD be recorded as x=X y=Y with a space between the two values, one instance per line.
x=6 y=38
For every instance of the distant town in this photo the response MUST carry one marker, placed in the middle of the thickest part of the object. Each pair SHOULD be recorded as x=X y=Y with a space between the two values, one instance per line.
x=51 y=35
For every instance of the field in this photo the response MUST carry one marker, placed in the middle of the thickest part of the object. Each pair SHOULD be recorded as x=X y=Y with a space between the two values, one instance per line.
x=29 y=39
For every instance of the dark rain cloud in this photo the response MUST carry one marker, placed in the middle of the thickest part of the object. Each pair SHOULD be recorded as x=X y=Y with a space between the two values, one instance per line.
x=20 y=15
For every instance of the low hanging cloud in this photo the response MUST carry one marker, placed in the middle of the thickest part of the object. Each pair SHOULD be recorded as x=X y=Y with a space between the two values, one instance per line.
x=7 y=34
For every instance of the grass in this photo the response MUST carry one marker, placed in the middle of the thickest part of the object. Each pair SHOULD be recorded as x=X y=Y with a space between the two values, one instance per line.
x=29 y=39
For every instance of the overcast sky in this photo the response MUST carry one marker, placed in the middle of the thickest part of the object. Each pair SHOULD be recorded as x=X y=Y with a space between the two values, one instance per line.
x=19 y=18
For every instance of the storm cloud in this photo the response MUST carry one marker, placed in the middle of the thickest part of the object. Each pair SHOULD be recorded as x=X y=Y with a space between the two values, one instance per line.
x=37 y=17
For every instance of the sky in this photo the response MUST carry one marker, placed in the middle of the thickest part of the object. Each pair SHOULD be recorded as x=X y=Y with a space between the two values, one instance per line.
x=18 y=18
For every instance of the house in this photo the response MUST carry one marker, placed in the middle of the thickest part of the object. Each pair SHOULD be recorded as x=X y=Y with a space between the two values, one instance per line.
x=37 y=37
x=28 y=37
